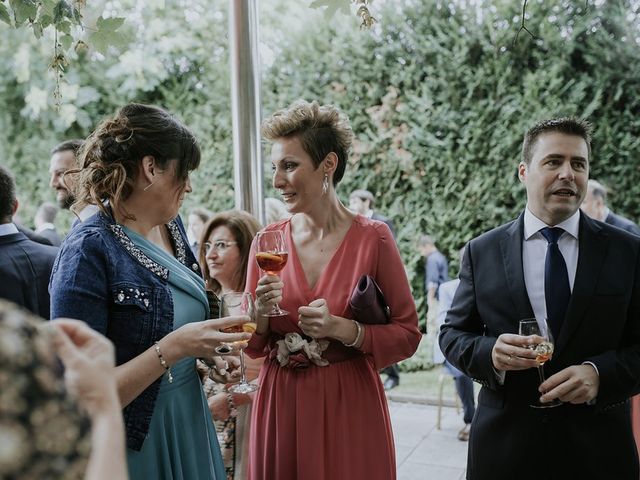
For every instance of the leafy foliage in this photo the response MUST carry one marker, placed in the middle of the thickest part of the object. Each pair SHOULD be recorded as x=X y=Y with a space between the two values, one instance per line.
x=440 y=96
x=65 y=20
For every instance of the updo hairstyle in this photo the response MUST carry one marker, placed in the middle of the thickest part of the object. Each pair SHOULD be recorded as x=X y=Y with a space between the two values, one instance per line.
x=109 y=159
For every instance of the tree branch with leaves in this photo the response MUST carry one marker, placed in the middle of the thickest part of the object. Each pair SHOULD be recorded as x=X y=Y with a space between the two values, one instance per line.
x=69 y=29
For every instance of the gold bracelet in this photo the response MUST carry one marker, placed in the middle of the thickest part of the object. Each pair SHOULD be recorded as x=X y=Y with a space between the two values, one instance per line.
x=163 y=362
x=358 y=335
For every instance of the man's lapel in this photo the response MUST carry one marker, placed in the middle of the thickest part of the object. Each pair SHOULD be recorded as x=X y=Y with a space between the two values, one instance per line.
x=511 y=247
x=593 y=248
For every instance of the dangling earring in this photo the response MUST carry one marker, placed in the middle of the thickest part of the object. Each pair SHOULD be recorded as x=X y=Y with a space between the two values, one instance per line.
x=148 y=186
x=325 y=184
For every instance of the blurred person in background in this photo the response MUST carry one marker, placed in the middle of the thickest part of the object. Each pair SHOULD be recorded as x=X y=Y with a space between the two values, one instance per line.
x=195 y=222
x=129 y=273
x=464 y=385
x=25 y=265
x=224 y=254
x=595 y=205
x=43 y=221
x=63 y=158
x=362 y=201
x=275 y=210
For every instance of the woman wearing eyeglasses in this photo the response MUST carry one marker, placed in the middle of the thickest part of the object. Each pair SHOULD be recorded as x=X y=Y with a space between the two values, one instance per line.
x=224 y=255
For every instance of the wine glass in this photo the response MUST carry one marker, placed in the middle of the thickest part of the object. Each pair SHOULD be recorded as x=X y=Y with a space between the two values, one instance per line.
x=272 y=257
x=544 y=350
x=239 y=303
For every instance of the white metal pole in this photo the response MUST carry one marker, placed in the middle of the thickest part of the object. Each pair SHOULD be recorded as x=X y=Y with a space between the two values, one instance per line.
x=245 y=106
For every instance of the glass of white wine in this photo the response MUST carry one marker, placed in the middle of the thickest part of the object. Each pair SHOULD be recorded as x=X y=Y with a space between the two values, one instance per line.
x=239 y=303
x=544 y=350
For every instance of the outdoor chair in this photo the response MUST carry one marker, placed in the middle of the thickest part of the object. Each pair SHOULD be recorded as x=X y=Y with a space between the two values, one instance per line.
x=444 y=375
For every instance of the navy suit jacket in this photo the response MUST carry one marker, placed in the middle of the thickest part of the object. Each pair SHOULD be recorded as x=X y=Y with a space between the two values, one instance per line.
x=25 y=268
x=622 y=222
x=33 y=236
x=602 y=325
x=383 y=219
x=51 y=235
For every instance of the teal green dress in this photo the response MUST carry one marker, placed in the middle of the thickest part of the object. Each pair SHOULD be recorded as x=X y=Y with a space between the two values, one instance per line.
x=181 y=443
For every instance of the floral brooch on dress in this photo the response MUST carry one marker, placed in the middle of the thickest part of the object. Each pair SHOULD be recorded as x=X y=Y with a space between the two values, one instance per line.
x=298 y=353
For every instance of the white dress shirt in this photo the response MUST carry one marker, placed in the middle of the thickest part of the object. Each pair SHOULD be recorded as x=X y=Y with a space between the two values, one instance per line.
x=534 y=251
x=45 y=226
x=8 y=229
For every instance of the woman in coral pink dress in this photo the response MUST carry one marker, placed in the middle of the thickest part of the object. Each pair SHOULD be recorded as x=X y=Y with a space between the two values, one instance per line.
x=321 y=410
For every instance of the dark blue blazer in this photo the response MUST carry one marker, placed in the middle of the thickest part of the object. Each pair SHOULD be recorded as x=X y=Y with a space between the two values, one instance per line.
x=383 y=219
x=602 y=325
x=622 y=222
x=25 y=268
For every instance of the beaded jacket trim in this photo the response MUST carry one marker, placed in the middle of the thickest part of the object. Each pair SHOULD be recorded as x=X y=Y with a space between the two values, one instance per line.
x=144 y=260
x=177 y=241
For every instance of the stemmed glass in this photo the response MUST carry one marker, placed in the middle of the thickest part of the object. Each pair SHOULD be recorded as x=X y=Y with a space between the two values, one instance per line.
x=544 y=350
x=239 y=303
x=272 y=257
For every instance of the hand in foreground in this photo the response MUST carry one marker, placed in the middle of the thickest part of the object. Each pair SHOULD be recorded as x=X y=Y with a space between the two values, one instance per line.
x=219 y=404
x=225 y=369
x=268 y=293
x=315 y=319
x=200 y=339
x=510 y=352
x=575 y=384
x=89 y=362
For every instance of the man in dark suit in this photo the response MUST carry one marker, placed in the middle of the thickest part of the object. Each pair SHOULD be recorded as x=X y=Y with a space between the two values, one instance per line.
x=43 y=221
x=584 y=277
x=595 y=205
x=31 y=235
x=362 y=202
x=63 y=158
x=25 y=266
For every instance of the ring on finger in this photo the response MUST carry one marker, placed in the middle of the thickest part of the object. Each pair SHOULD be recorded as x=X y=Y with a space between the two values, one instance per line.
x=223 y=349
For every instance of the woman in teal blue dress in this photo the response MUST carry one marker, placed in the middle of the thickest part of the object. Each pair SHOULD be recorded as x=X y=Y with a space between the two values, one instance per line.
x=128 y=272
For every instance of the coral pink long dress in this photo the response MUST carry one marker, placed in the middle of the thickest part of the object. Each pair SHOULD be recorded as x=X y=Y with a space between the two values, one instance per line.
x=331 y=422
x=635 y=419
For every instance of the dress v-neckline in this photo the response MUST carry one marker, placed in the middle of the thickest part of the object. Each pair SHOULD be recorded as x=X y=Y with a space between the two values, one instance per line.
x=300 y=273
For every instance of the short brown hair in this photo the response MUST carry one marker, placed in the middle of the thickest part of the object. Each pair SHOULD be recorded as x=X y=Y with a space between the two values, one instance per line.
x=566 y=125
x=68 y=145
x=7 y=194
x=244 y=227
x=110 y=157
x=322 y=129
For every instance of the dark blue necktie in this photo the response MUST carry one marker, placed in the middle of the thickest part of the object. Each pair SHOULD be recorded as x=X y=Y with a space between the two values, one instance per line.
x=556 y=281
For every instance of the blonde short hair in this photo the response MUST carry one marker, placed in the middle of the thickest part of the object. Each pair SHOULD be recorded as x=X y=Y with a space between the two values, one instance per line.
x=322 y=129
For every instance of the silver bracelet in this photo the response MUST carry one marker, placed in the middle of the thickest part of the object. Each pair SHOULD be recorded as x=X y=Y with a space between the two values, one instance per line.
x=163 y=362
x=358 y=335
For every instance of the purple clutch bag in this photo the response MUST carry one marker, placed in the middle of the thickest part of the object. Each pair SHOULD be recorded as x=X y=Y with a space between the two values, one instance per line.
x=368 y=304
